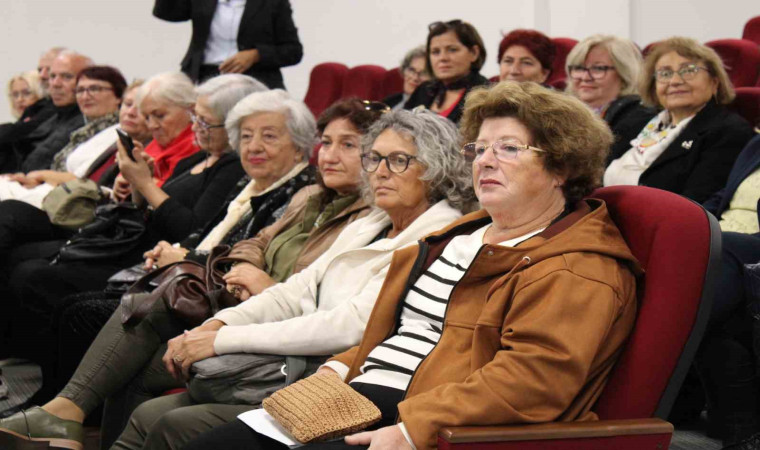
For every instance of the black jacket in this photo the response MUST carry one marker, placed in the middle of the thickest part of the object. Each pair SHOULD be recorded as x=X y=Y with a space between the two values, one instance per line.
x=50 y=137
x=747 y=162
x=626 y=117
x=426 y=92
x=698 y=162
x=267 y=25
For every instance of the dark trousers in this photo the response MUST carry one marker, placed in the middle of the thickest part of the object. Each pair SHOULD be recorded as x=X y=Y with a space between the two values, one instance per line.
x=239 y=436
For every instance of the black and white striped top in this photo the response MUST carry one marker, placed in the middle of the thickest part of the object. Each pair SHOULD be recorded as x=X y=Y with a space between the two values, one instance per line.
x=393 y=362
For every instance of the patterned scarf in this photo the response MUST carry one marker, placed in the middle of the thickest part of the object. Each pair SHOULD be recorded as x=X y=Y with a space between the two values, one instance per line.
x=81 y=135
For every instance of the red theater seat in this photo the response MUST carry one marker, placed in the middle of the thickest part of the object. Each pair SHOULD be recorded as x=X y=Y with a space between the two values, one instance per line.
x=741 y=58
x=752 y=30
x=393 y=82
x=325 y=86
x=364 y=82
x=678 y=244
x=564 y=45
x=747 y=104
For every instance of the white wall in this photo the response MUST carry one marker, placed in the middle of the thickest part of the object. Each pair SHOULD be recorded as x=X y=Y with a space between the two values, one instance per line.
x=124 y=34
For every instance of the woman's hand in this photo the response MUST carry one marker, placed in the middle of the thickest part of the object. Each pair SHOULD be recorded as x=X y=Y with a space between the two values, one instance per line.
x=31 y=179
x=240 y=61
x=250 y=278
x=385 y=438
x=163 y=254
x=138 y=172
x=122 y=190
x=189 y=347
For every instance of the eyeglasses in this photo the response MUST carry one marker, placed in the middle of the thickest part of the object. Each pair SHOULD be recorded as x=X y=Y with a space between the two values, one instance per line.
x=396 y=162
x=503 y=151
x=374 y=106
x=595 y=72
x=203 y=124
x=92 y=90
x=410 y=72
x=26 y=93
x=449 y=24
x=686 y=73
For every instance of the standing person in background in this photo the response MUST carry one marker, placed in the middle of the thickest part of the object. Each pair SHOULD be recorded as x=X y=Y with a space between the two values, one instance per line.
x=413 y=72
x=455 y=55
x=254 y=37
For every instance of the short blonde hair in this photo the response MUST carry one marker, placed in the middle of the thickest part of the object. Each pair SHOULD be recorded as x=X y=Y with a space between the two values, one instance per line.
x=625 y=55
x=32 y=78
x=691 y=49
x=575 y=140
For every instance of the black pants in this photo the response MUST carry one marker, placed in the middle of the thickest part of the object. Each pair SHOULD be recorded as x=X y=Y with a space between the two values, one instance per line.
x=239 y=436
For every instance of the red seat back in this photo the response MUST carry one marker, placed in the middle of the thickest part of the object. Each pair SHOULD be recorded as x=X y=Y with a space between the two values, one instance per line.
x=364 y=82
x=564 y=45
x=752 y=30
x=747 y=104
x=678 y=244
x=325 y=86
x=98 y=171
x=741 y=59
x=393 y=82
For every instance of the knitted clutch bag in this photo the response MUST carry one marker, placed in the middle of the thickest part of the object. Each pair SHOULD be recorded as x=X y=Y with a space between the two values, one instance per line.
x=321 y=407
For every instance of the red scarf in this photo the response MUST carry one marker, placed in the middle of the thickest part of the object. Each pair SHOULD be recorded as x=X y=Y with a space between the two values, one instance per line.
x=166 y=158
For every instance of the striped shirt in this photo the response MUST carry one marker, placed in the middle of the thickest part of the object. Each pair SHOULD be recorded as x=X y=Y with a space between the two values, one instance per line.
x=393 y=362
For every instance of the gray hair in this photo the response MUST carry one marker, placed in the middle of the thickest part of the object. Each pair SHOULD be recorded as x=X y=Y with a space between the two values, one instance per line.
x=84 y=60
x=168 y=87
x=625 y=55
x=416 y=52
x=437 y=139
x=32 y=79
x=300 y=121
x=224 y=91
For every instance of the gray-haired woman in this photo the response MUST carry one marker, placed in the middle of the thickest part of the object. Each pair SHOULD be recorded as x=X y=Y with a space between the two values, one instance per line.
x=413 y=73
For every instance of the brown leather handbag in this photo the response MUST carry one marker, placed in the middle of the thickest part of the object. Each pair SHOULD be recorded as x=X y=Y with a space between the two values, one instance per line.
x=192 y=292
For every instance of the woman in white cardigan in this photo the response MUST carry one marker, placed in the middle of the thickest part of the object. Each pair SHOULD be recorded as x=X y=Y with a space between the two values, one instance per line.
x=418 y=184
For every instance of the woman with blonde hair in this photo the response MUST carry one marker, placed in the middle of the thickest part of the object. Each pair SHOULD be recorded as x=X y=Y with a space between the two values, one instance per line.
x=24 y=90
x=604 y=72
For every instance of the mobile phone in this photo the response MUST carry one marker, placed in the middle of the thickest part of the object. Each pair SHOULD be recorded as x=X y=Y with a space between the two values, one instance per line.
x=126 y=141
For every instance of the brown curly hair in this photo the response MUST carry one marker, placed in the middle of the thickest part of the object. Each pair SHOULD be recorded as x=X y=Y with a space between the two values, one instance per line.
x=576 y=141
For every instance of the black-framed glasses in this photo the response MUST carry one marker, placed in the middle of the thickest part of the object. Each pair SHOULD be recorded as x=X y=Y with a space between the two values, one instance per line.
x=411 y=72
x=92 y=90
x=687 y=73
x=203 y=124
x=396 y=162
x=374 y=106
x=502 y=150
x=449 y=24
x=596 y=72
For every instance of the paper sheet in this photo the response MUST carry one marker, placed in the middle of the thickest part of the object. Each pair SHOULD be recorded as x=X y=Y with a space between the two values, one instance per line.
x=262 y=422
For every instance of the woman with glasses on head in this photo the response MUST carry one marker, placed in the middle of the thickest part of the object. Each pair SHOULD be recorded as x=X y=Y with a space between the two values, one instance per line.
x=454 y=54
x=513 y=314
x=526 y=55
x=413 y=73
x=603 y=72
x=690 y=146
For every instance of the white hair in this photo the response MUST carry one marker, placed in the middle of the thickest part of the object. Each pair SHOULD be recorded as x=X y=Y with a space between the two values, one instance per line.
x=32 y=78
x=625 y=55
x=300 y=121
x=168 y=87
x=224 y=91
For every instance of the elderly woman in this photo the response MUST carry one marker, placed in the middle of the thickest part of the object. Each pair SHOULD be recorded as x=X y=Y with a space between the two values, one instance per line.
x=24 y=90
x=99 y=91
x=690 y=146
x=455 y=54
x=414 y=177
x=512 y=314
x=603 y=72
x=413 y=72
x=526 y=55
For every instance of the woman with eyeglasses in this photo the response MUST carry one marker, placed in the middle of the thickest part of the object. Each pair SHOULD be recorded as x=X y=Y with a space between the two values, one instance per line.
x=513 y=314
x=24 y=90
x=690 y=146
x=454 y=54
x=603 y=72
x=413 y=73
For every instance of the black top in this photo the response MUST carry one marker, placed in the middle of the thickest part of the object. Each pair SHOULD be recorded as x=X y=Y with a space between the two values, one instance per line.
x=50 y=137
x=747 y=162
x=12 y=135
x=267 y=25
x=697 y=163
x=194 y=199
x=626 y=117
x=427 y=92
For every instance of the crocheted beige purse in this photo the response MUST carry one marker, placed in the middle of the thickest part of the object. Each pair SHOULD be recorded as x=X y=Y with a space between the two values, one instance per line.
x=321 y=407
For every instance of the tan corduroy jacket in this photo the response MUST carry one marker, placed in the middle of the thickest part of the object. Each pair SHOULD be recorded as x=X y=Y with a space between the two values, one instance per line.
x=253 y=250
x=530 y=332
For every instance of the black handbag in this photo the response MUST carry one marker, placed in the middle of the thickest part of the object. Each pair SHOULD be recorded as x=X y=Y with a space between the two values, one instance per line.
x=116 y=231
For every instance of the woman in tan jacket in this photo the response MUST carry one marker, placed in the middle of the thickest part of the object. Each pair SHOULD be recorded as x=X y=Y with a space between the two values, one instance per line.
x=512 y=314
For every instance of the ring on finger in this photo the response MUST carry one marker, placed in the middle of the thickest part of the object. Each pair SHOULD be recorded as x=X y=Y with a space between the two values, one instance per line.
x=178 y=359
